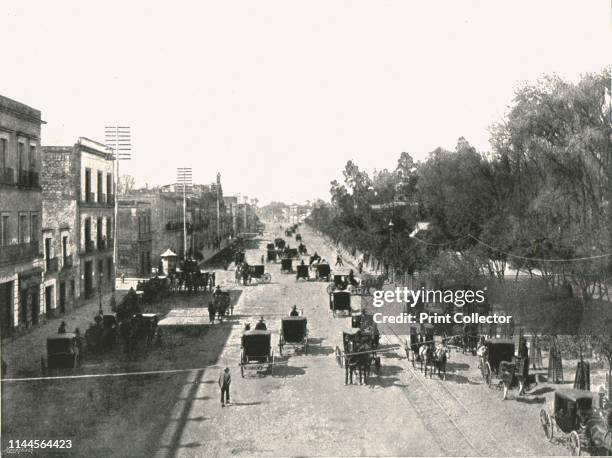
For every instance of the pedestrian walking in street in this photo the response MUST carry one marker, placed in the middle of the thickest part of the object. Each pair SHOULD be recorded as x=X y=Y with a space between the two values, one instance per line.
x=535 y=353
x=211 y=311
x=225 y=380
x=339 y=261
x=555 y=363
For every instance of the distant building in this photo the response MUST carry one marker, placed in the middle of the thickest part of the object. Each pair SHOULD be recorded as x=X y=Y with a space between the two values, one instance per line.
x=135 y=238
x=22 y=302
x=166 y=221
x=79 y=181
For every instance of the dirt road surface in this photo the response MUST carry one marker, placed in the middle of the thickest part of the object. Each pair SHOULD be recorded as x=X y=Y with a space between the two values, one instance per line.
x=302 y=408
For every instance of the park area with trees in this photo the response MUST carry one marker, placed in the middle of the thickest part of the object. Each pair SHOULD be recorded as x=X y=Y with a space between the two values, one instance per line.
x=531 y=218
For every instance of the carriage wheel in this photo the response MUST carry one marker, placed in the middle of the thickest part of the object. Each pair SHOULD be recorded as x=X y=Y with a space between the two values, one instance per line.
x=267 y=278
x=547 y=425
x=574 y=443
x=486 y=373
x=339 y=357
x=330 y=288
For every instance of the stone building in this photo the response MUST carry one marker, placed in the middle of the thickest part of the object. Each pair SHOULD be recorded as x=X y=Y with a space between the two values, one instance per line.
x=166 y=221
x=79 y=218
x=134 y=238
x=21 y=265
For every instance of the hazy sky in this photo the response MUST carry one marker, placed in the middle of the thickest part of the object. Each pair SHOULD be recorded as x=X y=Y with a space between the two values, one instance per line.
x=278 y=95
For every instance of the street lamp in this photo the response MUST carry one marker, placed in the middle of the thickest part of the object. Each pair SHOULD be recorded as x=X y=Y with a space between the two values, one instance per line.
x=101 y=277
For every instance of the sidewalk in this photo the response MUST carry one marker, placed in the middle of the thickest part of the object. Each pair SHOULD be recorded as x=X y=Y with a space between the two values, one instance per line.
x=22 y=354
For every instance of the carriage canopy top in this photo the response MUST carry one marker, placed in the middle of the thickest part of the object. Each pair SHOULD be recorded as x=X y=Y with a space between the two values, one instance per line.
x=573 y=395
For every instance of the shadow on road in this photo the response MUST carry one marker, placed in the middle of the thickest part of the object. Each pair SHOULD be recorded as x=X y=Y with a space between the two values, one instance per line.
x=288 y=371
x=534 y=400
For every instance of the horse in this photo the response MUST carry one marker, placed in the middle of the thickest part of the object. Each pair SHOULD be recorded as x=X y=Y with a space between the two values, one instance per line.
x=221 y=303
x=427 y=358
x=441 y=355
x=355 y=362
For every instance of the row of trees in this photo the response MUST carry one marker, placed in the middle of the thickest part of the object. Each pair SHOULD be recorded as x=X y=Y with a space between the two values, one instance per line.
x=540 y=197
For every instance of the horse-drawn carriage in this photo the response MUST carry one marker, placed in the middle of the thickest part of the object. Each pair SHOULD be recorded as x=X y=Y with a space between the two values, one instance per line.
x=302 y=271
x=62 y=351
x=370 y=283
x=279 y=243
x=498 y=351
x=343 y=282
x=221 y=304
x=358 y=354
x=298 y=237
x=584 y=426
x=290 y=252
x=294 y=332
x=256 y=351
x=270 y=246
x=322 y=271
x=258 y=271
x=287 y=265
x=101 y=336
x=271 y=255
x=340 y=301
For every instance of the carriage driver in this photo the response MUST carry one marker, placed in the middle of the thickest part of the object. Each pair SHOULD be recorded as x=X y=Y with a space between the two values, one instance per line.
x=261 y=325
x=294 y=311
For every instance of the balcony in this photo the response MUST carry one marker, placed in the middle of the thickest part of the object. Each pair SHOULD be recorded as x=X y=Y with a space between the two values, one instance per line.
x=7 y=176
x=52 y=264
x=101 y=198
x=89 y=197
x=68 y=262
x=23 y=252
x=110 y=199
x=28 y=179
x=90 y=247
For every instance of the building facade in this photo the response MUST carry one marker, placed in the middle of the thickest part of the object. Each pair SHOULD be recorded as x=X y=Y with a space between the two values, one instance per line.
x=87 y=202
x=166 y=221
x=134 y=238
x=21 y=265
x=60 y=228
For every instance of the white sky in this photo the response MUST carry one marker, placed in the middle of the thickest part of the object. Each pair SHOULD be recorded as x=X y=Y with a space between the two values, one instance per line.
x=278 y=95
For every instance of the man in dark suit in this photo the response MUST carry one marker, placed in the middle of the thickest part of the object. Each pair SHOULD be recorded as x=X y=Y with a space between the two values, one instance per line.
x=225 y=380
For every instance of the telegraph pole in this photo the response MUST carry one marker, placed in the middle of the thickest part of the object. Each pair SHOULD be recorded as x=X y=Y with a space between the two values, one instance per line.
x=184 y=178
x=119 y=140
x=218 y=209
